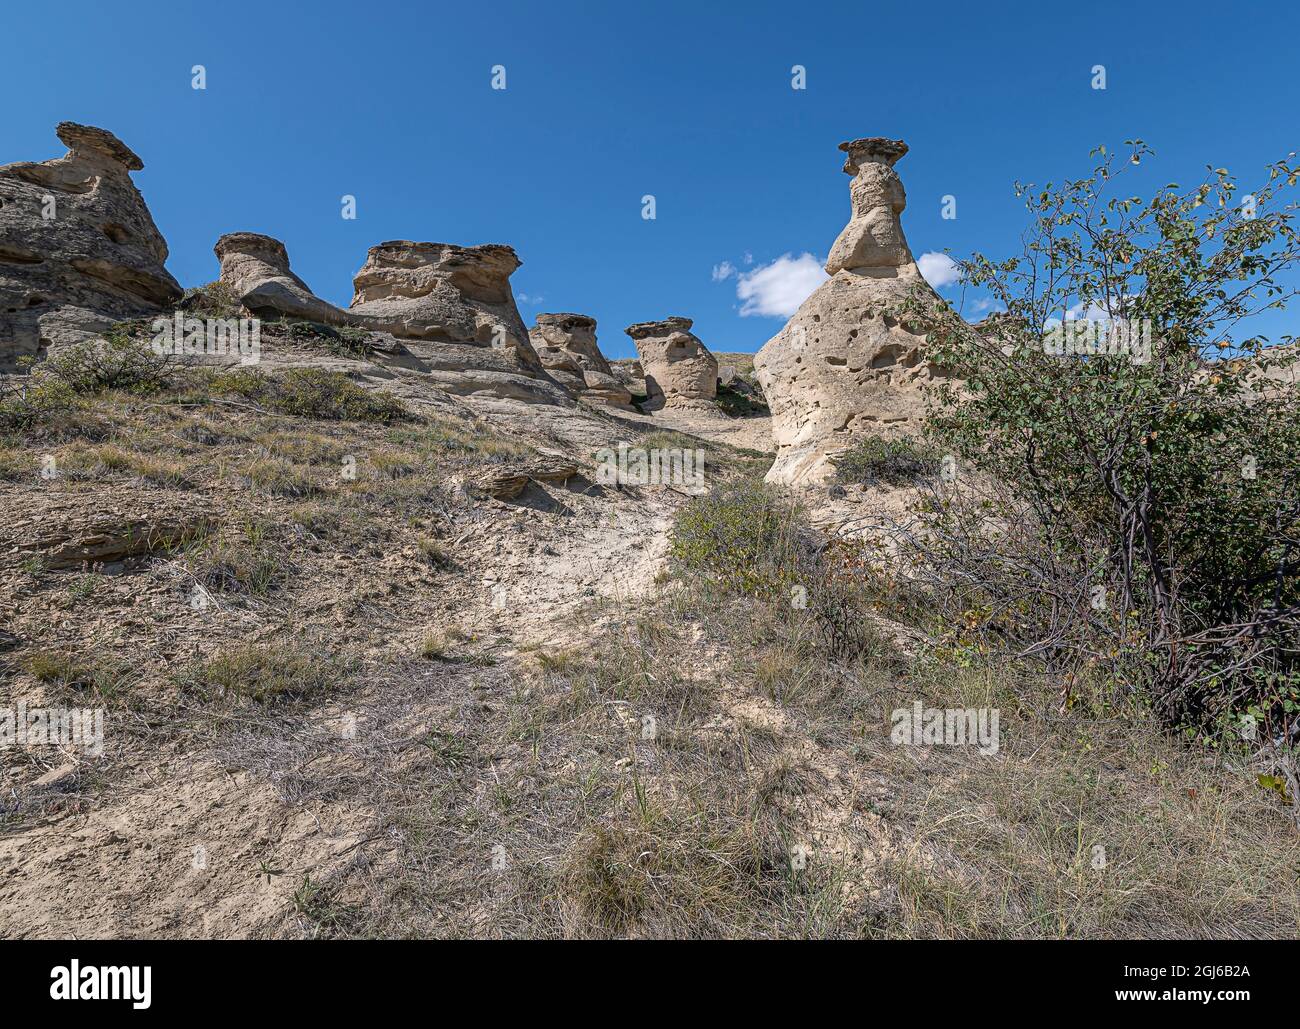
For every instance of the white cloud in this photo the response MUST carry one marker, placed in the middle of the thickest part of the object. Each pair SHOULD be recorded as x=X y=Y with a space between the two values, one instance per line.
x=1093 y=311
x=776 y=290
x=938 y=269
x=524 y=298
x=725 y=270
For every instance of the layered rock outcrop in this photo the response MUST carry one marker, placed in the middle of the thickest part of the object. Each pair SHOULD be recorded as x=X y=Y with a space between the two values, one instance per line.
x=566 y=345
x=845 y=367
x=446 y=293
x=451 y=307
x=256 y=269
x=79 y=249
x=679 y=369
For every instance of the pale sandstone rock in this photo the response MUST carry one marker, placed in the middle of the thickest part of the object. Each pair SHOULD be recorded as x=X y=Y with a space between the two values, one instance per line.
x=100 y=259
x=108 y=538
x=446 y=293
x=567 y=347
x=679 y=369
x=256 y=269
x=509 y=482
x=843 y=367
x=629 y=372
x=607 y=389
x=433 y=307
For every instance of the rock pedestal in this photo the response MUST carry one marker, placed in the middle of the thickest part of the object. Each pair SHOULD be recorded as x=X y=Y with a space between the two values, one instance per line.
x=679 y=370
x=256 y=268
x=450 y=307
x=566 y=345
x=445 y=293
x=844 y=367
x=79 y=249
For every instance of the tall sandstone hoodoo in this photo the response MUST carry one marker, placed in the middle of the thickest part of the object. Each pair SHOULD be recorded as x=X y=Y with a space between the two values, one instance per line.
x=843 y=368
x=566 y=345
x=679 y=369
x=78 y=247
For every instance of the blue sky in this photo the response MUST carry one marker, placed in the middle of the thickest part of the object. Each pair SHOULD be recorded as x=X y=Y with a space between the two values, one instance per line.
x=605 y=103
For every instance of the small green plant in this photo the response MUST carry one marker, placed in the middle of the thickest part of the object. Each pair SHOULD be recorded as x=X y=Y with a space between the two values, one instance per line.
x=263 y=674
x=342 y=340
x=316 y=518
x=669 y=440
x=312 y=393
x=738 y=404
x=279 y=478
x=93 y=462
x=894 y=462
x=83 y=587
x=315 y=902
x=393 y=464
x=213 y=300
x=71 y=671
x=29 y=405
x=743 y=537
x=243 y=562
x=434 y=553
x=435 y=646
x=448 y=749
x=120 y=360
x=439 y=437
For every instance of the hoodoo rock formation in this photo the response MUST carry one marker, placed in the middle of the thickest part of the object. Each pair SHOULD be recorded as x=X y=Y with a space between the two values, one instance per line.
x=78 y=247
x=451 y=307
x=844 y=367
x=444 y=292
x=679 y=370
x=256 y=269
x=566 y=345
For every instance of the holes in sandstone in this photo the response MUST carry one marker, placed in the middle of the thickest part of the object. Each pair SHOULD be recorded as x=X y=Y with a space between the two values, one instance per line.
x=116 y=233
x=887 y=356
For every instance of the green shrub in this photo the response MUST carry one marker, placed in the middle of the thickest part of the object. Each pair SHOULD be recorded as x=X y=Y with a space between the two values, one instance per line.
x=895 y=462
x=738 y=404
x=213 y=300
x=311 y=393
x=343 y=340
x=120 y=360
x=742 y=537
x=32 y=404
x=1149 y=489
x=263 y=674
